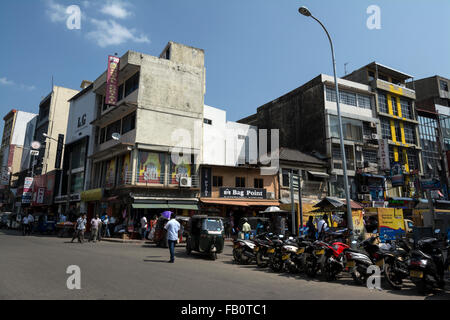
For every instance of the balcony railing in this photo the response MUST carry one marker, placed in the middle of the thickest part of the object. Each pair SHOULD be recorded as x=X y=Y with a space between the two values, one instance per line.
x=314 y=189
x=150 y=179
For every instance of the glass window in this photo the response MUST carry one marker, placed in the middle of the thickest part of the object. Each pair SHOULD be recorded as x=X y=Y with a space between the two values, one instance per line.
x=382 y=103
x=348 y=98
x=132 y=84
x=212 y=225
x=406 y=108
x=129 y=123
x=370 y=156
x=352 y=129
x=394 y=106
x=217 y=181
x=410 y=133
x=331 y=94
x=207 y=121
x=259 y=183
x=240 y=182
x=364 y=101
x=120 y=94
x=112 y=128
x=443 y=85
x=102 y=135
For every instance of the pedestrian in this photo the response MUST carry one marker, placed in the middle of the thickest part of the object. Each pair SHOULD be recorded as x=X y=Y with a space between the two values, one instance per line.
x=80 y=227
x=246 y=228
x=143 y=227
x=25 y=225
x=259 y=227
x=322 y=226
x=105 y=222
x=30 y=223
x=95 y=225
x=173 y=231
x=311 y=228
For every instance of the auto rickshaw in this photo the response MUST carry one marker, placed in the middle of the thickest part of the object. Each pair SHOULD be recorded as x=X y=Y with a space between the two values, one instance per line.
x=205 y=235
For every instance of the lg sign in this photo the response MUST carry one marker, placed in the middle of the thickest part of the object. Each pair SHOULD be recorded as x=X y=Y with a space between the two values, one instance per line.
x=82 y=121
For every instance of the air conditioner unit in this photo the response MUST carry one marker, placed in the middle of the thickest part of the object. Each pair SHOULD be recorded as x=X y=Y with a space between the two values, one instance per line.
x=185 y=182
x=367 y=137
x=271 y=195
x=374 y=136
x=364 y=189
x=373 y=125
x=360 y=197
x=360 y=164
x=358 y=148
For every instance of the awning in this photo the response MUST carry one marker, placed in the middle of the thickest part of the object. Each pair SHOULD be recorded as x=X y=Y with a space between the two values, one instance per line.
x=373 y=176
x=319 y=174
x=150 y=206
x=183 y=206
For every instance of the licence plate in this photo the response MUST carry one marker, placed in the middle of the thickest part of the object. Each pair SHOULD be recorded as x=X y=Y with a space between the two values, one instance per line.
x=416 y=274
x=350 y=264
x=301 y=250
x=380 y=263
x=319 y=252
x=285 y=257
x=270 y=250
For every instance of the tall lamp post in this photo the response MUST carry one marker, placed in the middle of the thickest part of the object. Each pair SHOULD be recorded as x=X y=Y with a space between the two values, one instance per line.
x=305 y=11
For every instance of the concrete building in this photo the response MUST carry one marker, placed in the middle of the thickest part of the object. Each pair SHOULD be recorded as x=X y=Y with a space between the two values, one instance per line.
x=52 y=120
x=307 y=120
x=396 y=110
x=154 y=164
x=433 y=108
x=78 y=148
x=11 y=151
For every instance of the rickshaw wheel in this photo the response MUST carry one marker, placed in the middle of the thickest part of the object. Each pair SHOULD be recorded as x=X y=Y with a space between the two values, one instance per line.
x=214 y=256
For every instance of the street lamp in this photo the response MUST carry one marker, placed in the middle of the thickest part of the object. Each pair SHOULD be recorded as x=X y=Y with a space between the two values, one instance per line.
x=305 y=11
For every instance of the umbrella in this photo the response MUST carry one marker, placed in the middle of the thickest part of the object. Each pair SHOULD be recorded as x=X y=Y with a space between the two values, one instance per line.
x=273 y=210
x=166 y=214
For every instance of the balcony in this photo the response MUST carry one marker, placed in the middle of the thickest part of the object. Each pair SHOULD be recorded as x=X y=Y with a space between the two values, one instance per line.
x=149 y=180
x=390 y=87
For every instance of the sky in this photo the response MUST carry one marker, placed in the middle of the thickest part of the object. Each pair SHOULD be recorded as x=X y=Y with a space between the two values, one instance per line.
x=255 y=50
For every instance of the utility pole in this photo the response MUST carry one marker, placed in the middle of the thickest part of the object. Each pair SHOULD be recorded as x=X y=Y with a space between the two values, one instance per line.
x=69 y=184
x=291 y=183
x=300 y=208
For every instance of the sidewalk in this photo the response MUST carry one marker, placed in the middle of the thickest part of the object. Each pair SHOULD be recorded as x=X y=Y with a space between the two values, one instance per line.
x=128 y=241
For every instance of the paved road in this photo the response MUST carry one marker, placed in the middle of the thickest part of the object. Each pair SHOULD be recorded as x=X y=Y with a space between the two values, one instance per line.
x=35 y=268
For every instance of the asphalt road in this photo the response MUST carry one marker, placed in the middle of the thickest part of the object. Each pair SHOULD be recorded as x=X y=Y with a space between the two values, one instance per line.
x=35 y=268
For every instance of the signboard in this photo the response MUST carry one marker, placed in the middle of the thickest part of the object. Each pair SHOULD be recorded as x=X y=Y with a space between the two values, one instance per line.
x=397 y=175
x=59 y=151
x=206 y=182
x=34 y=152
x=383 y=153
x=27 y=190
x=243 y=193
x=112 y=80
x=391 y=223
x=430 y=184
x=40 y=195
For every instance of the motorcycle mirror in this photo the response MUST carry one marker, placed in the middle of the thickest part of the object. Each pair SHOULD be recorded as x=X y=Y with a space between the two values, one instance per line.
x=411 y=240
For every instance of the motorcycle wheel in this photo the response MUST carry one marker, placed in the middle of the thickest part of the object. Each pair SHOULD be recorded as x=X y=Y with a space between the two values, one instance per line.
x=392 y=279
x=236 y=257
x=358 y=277
x=214 y=256
x=276 y=265
x=310 y=266
x=327 y=273
x=259 y=261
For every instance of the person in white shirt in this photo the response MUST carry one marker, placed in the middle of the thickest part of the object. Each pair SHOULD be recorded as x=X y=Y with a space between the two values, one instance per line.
x=143 y=227
x=95 y=224
x=25 y=225
x=80 y=228
x=322 y=226
x=173 y=231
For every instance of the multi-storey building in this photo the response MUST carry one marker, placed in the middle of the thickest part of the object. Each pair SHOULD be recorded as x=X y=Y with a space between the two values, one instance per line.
x=308 y=122
x=147 y=143
x=395 y=108
x=433 y=107
x=12 y=148
x=52 y=121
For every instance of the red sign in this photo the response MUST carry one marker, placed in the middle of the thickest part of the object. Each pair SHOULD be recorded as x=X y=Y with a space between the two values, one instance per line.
x=112 y=79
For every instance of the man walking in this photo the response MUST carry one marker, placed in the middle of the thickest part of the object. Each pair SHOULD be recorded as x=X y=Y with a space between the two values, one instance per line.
x=25 y=225
x=143 y=227
x=105 y=220
x=30 y=224
x=172 y=229
x=95 y=224
x=80 y=228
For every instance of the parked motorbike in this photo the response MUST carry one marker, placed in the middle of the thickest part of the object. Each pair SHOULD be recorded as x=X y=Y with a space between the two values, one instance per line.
x=296 y=261
x=243 y=251
x=359 y=261
x=426 y=265
x=396 y=263
x=262 y=243
x=275 y=254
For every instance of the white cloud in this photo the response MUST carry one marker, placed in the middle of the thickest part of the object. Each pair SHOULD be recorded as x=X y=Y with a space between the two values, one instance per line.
x=56 y=12
x=108 y=33
x=6 y=82
x=116 y=9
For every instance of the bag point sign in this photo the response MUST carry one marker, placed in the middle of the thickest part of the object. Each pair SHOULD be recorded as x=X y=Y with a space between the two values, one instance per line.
x=243 y=193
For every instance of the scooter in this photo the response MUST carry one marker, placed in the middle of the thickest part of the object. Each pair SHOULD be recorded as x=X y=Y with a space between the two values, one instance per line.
x=243 y=251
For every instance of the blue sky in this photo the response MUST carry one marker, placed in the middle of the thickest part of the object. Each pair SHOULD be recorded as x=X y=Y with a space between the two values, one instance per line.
x=256 y=50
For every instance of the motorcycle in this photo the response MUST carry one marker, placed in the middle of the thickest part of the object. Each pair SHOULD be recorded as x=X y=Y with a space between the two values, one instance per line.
x=395 y=263
x=275 y=254
x=358 y=261
x=262 y=244
x=296 y=261
x=243 y=251
x=426 y=265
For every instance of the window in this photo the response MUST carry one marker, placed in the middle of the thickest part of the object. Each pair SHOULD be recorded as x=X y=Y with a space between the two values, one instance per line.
x=129 y=123
x=406 y=108
x=132 y=84
x=207 y=121
x=102 y=135
x=285 y=178
x=370 y=156
x=120 y=94
x=410 y=133
x=386 y=129
x=364 y=101
x=331 y=94
x=240 y=182
x=352 y=129
x=382 y=103
x=412 y=159
x=348 y=98
x=259 y=183
x=398 y=132
x=394 y=106
x=443 y=85
x=217 y=181
x=112 y=128
x=166 y=54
